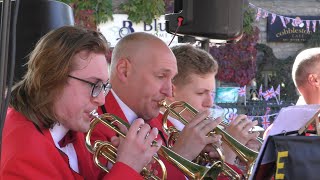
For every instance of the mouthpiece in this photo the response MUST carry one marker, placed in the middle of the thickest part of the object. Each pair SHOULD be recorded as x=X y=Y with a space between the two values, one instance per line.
x=94 y=113
x=163 y=103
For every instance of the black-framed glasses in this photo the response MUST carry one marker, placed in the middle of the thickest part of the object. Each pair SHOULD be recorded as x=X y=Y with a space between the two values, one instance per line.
x=96 y=87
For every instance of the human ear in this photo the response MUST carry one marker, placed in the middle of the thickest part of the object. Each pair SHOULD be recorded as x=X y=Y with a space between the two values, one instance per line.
x=173 y=90
x=122 y=69
x=313 y=79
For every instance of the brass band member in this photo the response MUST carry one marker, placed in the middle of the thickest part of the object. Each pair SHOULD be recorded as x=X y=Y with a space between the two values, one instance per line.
x=142 y=67
x=195 y=84
x=50 y=107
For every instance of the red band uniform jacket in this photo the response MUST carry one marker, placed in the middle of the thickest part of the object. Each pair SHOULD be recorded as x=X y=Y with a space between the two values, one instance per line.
x=102 y=132
x=30 y=153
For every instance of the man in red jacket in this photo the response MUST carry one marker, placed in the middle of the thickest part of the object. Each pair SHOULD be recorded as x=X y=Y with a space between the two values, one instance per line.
x=51 y=107
x=142 y=67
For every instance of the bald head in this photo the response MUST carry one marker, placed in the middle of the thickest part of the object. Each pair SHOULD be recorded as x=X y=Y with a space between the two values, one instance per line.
x=142 y=67
x=307 y=62
x=133 y=45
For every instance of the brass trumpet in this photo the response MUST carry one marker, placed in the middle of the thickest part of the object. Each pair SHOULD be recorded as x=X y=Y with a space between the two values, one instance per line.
x=106 y=150
x=247 y=155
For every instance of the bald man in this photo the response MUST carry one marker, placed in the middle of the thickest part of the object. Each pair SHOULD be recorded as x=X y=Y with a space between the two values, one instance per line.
x=142 y=67
x=306 y=77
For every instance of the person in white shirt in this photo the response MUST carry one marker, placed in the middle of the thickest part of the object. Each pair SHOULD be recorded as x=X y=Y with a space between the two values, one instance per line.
x=306 y=77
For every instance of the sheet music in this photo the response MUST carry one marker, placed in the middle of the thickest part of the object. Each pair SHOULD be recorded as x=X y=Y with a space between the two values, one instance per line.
x=290 y=118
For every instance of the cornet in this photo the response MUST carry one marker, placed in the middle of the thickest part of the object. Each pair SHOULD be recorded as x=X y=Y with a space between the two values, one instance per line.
x=109 y=152
x=247 y=155
x=106 y=150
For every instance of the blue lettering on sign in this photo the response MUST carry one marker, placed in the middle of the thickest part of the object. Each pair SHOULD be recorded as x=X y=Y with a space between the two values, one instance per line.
x=154 y=26
x=126 y=29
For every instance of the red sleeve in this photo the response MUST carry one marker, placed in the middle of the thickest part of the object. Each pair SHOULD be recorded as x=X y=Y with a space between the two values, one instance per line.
x=122 y=171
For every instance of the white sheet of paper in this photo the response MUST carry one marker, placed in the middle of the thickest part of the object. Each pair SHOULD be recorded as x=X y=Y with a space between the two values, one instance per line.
x=289 y=119
x=293 y=118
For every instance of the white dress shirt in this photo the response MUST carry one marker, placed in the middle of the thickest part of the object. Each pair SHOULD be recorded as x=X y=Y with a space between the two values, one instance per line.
x=130 y=115
x=58 y=132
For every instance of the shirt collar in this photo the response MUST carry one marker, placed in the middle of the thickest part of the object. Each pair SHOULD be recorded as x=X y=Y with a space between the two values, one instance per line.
x=130 y=115
x=58 y=132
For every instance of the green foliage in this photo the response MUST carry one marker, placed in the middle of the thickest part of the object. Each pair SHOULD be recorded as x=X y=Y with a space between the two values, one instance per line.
x=101 y=10
x=248 y=20
x=281 y=72
x=144 y=10
x=67 y=1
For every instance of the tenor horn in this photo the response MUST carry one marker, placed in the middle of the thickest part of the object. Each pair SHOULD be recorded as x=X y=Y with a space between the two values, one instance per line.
x=106 y=150
x=244 y=153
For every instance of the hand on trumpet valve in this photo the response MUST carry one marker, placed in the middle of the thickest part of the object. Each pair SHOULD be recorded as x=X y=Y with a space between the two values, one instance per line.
x=212 y=149
x=115 y=140
x=194 y=136
x=239 y=129
x=138 y=147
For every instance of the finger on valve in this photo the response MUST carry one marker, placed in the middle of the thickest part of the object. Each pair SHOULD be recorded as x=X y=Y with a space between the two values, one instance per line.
x=115 y=141
x=199 y=119
x=248 y=125
x=151 y=136
x=143 y=132
x=211 y=126
x=135 y=127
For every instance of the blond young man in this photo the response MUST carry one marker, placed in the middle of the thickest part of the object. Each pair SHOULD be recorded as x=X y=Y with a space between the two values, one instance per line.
x=195 y=84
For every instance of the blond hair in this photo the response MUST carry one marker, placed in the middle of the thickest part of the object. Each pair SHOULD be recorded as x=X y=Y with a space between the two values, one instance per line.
x=192 y=60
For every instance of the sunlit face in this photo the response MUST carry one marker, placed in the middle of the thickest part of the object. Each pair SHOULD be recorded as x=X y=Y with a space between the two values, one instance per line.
x=198 y=92
x=149 y=80
x=74 y=105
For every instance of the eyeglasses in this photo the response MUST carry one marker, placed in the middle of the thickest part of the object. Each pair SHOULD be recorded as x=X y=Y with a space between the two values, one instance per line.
x=96 y=87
